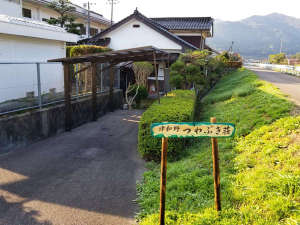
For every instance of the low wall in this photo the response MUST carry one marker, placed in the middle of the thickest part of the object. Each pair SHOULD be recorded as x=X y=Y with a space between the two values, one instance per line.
x=23 y=129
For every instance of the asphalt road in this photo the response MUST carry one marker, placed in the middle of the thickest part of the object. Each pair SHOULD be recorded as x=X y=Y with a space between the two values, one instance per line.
x=84 y=177
x=288 y=84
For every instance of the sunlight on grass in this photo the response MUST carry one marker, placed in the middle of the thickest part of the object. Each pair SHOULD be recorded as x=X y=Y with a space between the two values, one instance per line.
x=260 y=175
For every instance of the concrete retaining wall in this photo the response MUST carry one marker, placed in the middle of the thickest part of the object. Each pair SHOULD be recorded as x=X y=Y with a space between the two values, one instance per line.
x=23 y=129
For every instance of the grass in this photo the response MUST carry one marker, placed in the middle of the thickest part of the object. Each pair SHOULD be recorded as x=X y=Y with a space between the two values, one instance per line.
x=260 y=175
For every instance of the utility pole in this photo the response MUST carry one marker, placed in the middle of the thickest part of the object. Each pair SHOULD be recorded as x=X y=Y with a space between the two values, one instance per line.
x=281 y=45
x=230 y=50
x=112 y=2
x=89 y=17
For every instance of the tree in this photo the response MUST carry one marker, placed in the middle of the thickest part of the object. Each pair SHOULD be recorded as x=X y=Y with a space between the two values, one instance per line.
x=65 y=20
x=277 y=58
x=136 y=92
x=188 y=70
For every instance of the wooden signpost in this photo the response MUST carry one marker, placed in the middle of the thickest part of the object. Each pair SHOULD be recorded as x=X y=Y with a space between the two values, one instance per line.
x=190 y=130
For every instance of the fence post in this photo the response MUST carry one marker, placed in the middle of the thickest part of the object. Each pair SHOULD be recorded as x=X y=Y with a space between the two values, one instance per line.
x=77 y=81
x=38 y=73
x=101 y=79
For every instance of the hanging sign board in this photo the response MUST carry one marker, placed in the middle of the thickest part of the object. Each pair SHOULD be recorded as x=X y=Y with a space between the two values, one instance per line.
x=192 y=129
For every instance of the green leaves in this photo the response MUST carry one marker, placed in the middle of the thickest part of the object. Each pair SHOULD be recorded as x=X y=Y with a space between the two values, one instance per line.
x=65 y=20
x=178 y=106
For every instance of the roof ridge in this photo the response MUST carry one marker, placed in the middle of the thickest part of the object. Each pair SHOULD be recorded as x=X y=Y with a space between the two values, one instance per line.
x=151 y=22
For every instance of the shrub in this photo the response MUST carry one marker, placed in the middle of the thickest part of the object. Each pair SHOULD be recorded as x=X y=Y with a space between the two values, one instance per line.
x=277 y=58
x=178 y=106
x=79 y=50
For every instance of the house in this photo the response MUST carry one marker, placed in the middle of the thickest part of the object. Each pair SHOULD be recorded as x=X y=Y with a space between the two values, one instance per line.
x=174 y=35
x=38 y=10
x=23 y=42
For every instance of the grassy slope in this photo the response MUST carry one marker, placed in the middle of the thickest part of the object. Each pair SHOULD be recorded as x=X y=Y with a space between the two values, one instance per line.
x=259 y=166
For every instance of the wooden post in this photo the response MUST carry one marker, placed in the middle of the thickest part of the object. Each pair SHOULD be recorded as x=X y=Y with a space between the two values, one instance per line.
x=166 y=79
x=216 y=169
x=163 y=179
x=156 y=77
x=67 y=88
x=111 y=87
x=94 y=91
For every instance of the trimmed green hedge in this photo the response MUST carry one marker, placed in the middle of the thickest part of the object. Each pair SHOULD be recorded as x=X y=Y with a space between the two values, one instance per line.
x=178 y=106
x=79 y=50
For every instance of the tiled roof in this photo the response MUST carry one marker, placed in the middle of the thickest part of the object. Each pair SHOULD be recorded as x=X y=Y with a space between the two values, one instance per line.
x=148 y=21
x=185 y=23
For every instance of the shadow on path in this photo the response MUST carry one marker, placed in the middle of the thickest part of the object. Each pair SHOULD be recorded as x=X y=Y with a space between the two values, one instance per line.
x=87 y=176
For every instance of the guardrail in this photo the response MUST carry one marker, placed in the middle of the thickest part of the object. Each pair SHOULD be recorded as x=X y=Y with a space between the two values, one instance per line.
x=288 y=69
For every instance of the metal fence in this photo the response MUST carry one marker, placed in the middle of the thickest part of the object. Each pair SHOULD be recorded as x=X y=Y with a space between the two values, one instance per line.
x=294 y=70
x=30 y=85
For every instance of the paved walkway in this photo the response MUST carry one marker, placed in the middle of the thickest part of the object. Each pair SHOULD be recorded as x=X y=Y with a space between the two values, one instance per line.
x=289 y=85
x=84 y=177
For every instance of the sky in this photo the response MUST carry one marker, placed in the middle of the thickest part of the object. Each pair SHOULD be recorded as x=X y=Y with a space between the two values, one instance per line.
x=229 y=10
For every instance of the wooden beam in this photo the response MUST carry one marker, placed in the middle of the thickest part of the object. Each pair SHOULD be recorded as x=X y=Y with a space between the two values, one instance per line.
x=165 y=80
x=94 y=91
x=156 y=77
x=67 y=88
x=111 y=88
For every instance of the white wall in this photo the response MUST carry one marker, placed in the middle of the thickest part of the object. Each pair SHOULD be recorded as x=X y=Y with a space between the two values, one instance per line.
x=128 y=37
x=16 y=80
x=39 y=12
x=10 y=8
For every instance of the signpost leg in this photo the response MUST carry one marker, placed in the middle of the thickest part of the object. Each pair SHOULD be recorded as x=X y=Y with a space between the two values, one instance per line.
x=163 y=179
x=216 y=169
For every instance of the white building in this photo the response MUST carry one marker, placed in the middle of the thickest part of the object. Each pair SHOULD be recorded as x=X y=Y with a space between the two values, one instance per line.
x=174 y=35
x=39 y=10
x=27 y=40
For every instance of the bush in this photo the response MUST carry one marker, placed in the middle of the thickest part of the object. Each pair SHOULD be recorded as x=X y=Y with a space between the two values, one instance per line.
x=79 y=50
x=178 y=106
x=277 y=58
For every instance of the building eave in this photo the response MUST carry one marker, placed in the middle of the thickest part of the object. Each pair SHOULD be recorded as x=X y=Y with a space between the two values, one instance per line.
x=29 y=28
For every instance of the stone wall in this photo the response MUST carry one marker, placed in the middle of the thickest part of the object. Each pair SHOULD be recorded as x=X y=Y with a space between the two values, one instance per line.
x=23 y=129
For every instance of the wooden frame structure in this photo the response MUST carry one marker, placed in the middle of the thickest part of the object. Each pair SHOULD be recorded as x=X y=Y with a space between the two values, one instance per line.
x=147 y=53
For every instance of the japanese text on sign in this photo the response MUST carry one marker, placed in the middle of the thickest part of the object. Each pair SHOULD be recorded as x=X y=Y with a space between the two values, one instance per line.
x=192 y=129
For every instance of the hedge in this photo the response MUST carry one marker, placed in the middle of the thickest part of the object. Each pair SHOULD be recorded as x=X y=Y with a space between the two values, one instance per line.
x=178 y=106
x=79 y=50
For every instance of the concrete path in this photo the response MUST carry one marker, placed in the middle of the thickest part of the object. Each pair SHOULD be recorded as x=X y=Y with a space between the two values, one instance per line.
x=288 y=84
x=84 y=177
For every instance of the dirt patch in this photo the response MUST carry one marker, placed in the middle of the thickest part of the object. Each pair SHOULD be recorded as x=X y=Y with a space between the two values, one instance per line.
x=295 y=111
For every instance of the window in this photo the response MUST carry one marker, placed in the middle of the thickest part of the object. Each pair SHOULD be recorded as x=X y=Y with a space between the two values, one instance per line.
x=26 y=13
x=93 y=31
x=82 y=29
x=135 y=25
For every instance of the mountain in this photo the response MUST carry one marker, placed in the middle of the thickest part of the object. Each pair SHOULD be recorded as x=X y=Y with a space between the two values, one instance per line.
x=258 y=36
